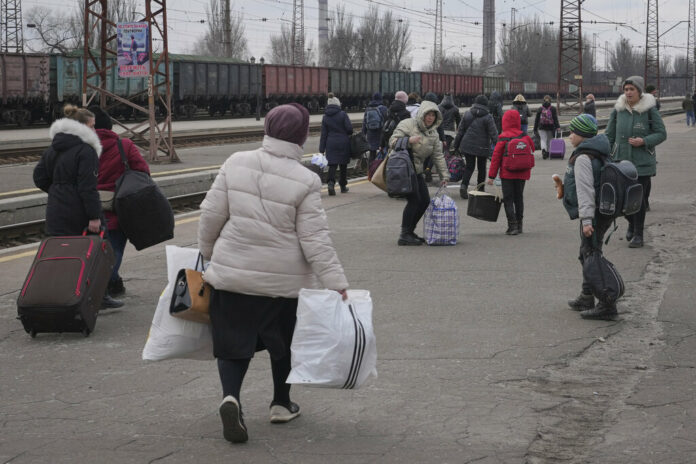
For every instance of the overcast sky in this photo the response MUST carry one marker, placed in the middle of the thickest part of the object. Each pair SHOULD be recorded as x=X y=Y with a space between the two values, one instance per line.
x=460 y=35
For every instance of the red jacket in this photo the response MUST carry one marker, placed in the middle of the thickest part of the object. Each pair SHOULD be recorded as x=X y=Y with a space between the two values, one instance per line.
x=111 y=167
x=511 y=128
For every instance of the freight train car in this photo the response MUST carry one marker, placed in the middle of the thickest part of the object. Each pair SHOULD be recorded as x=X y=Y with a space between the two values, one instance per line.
x=393 y=81
x=463 y=88
x=217 y=85
x=491 y=83
x=301 y=84
x=24 y=87
x=353 y=87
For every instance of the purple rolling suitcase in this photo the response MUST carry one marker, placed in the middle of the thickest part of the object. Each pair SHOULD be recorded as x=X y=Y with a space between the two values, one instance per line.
x=557 y=146
x=65 y=285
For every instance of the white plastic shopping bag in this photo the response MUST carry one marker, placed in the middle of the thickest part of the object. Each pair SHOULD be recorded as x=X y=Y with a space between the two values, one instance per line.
x=171 y=337
x=319 y=160
x=334 y=343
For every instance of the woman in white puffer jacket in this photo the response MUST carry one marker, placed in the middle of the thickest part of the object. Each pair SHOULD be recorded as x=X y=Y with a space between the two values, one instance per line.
x=265 y=232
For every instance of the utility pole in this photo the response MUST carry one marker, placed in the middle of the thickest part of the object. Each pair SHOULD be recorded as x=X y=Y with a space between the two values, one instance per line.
x=11 y=37
x=488 y=56
x=298 y=32
x=691 y=49
x=156 y=135
x=651 y=75
x=594 y=58
x=227 y=28
x=437 y=47
x=570 y=54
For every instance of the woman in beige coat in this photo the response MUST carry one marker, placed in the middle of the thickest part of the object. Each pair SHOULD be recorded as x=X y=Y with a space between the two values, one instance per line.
x=423 y=142
x=264 y=230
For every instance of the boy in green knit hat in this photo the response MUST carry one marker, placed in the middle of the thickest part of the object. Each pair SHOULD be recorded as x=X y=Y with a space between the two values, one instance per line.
x=580 y=192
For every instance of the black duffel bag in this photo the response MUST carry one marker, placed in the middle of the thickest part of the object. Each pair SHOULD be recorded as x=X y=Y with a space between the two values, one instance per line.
x=144 y=213
x=604 y=280
x=358 y=145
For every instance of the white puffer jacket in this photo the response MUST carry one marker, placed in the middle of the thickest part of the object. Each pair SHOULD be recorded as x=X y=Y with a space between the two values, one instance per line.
x=263 y=226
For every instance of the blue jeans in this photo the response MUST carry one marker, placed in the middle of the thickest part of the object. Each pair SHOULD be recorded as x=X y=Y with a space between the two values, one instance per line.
x=524 y=128
x=690 y=117
x=118 y=240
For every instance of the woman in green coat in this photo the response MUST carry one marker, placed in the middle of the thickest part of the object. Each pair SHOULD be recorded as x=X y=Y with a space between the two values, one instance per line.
x=635 y=128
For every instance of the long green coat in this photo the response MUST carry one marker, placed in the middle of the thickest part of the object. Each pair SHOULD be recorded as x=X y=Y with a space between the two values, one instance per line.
x=643 y=120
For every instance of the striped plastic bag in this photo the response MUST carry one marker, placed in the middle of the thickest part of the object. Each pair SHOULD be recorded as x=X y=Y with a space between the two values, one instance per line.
x=441 y=223
x=334 y=344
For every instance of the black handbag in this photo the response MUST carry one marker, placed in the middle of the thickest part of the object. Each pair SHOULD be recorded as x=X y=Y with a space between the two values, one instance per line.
x=358 y=145
x=144 y=213
x=604 y=280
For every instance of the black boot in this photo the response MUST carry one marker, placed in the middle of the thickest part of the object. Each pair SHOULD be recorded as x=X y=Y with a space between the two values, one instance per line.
x=332 y=191
x=519 y=226
x=582 y=303
x=116 y=287
x=462 y=191
x=544 y=154
x=408 y=238
x=629 y=232
x=344 y=189
x=603 y=312
x=512 y=228
x=428 y=176
x=636 y=242
x=421 y=239
x=110 y=303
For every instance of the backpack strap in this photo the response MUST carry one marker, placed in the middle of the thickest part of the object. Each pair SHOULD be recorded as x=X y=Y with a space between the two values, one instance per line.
x=507 y=142
x=123 y=154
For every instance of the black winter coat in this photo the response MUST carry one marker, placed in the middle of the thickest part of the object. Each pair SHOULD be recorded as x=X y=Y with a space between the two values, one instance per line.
x=589 y=108
x=374 y=136
x=336 y=129
x=451 y=117
x=68 y=172
x=524 y=111
x=495 y=108
x=537 y=118
x=397 y=112
x=476 y=133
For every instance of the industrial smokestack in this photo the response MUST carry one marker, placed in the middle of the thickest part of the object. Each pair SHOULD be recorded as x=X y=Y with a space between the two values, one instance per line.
x=323 y=27
x=488 y=32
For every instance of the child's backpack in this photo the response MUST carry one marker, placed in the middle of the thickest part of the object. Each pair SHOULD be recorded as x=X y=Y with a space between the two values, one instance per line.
x=620 y=194
x=518 y=154
x=455 y=166
x=373 y=118
x=400 y=170
x=546 y=118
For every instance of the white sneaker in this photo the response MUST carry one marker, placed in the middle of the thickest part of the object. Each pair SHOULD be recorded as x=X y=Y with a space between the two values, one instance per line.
x=281 y=413
x=233 y=428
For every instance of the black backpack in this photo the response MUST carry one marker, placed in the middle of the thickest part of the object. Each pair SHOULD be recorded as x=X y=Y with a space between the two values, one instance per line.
x=620 y=194
x=400 y=170
x=604 y=280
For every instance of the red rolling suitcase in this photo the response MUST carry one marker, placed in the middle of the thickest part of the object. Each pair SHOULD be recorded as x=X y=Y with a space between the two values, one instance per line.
x=65 y=285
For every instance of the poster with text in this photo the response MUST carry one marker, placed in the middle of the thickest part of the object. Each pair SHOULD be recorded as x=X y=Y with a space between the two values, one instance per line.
x=133 y=56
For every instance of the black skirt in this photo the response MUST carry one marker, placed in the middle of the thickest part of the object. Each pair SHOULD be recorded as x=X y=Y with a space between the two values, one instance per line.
x=244 y=324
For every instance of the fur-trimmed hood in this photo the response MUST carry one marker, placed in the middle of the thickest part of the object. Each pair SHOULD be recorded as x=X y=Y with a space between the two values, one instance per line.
x=72 y=127
x=646 y=102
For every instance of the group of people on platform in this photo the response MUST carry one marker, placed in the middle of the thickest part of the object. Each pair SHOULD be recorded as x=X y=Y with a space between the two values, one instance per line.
x=263 y=228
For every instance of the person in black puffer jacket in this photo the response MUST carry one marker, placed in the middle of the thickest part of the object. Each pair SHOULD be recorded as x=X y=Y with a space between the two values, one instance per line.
x=397 y=113
x=476 y=134
x=451 y=117
x=520 y=104
x=495 y=108
x=67 y=171
x=545 y=125
x=336 y=130
x=374 y=136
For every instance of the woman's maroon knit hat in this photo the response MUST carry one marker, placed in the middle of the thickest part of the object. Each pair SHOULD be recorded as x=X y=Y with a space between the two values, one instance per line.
x=288 y=122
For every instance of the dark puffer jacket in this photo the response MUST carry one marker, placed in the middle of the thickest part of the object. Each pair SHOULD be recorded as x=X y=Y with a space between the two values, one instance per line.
x=476 y=133
x=336 y=129
x=68 y=172
x=397 y=112
x=495 y=107
x=374 y=136
x=537 y=119
x=451 y=117
x=589 y=108
x=524 y=111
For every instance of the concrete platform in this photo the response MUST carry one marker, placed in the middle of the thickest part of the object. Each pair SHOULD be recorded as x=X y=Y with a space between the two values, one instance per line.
x=479 y=358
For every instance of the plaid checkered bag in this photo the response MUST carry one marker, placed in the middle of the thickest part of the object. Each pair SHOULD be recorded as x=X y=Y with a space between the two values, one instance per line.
x=441 y=224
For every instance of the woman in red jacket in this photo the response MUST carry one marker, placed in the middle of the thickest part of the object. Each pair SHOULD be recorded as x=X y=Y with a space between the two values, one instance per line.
x=110 y=169
x=513 y=181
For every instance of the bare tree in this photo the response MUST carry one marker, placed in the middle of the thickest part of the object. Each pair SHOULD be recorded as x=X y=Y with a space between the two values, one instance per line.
x=379 y=42
x=624 y=61
x=281 y=47
x=62 y=33
x=530 y=52
x=213 y=42
x=454 y=64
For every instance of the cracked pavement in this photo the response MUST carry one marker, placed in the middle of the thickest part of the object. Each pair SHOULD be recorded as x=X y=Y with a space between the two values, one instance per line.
x=479 y=360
